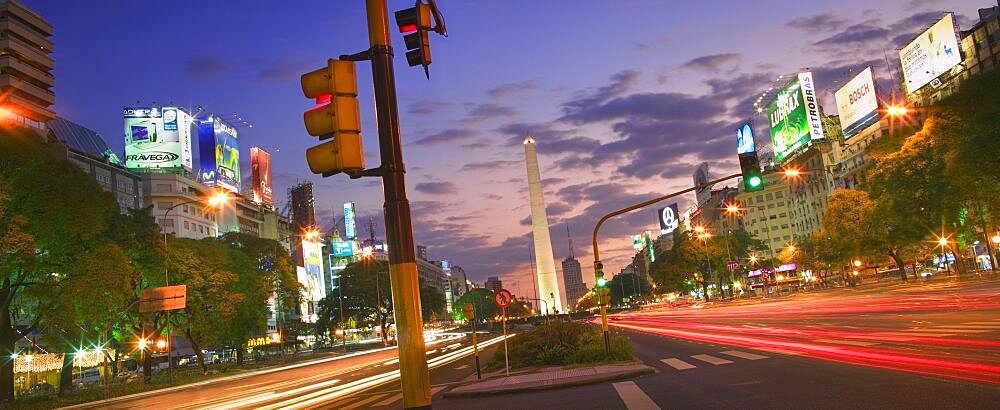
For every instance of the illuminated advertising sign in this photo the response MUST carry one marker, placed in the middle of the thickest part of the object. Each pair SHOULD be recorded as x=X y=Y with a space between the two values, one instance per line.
x=744 y=139
x=931 y=54
x=637 y=242
x=794 y=116
x=343 y=249
x=157 y=137
x=260 y=176
x=669 y=219
x=648 y=243
x=310 y=275
x=857 y=103
x=219 y=154
x=350 y=227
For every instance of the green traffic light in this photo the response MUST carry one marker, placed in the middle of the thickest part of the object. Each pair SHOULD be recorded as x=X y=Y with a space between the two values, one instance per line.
x=601 y=282
x=754 y=181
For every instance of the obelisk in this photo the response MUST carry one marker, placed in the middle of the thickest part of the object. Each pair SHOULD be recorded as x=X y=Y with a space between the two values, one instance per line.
x=548 y=282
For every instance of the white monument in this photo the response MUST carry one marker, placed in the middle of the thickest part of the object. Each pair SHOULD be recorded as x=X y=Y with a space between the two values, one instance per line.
x=548 y=283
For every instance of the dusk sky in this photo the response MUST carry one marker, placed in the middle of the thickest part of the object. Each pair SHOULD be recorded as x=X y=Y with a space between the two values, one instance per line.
x=624 y=98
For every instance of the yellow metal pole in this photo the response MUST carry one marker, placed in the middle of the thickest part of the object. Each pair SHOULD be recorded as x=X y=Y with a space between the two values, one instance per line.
x=414 y=376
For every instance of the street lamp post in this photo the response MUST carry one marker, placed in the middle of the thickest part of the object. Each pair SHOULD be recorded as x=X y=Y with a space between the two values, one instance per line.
x=943 y=242
x=216 y=200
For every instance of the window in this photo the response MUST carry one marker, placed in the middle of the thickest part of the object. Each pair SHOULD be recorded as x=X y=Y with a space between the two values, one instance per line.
x=162 y=187
x=749 y=201
x=201 y=228
x=787 y=238
x=755 y=232
x=770 y=196
x=770 y=206
x=167 y=223
x=778 y=194
x=774 y=228
x=784 y=226
x=782 y=215
x=187 y=225
x=163 y=205
x=760 y=198
x=185 y=208
x=781 y=203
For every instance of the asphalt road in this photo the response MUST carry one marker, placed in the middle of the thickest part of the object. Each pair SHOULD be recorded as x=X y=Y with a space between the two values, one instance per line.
x=927 y=345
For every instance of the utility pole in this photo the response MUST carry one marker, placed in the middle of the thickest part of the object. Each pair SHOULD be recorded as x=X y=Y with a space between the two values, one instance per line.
x=414 y=376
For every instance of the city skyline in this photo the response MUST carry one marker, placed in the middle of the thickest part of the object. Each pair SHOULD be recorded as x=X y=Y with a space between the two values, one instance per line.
x=652 y=87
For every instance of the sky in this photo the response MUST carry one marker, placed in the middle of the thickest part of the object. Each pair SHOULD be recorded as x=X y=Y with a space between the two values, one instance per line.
x=624 y=98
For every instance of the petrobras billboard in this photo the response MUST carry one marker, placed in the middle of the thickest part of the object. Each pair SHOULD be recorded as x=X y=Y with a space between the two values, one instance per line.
x=744 y=139
x=669 y=219
x=794 y=116
x=931 y=54
x=857 y=103
x=260 y=176
x=350 y=225
x=219 y=154
x=637 y=242
x=310 y=275
x=157 y=137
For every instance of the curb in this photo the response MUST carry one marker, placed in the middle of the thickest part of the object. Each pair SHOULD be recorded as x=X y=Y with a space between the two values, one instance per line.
x=568 y=382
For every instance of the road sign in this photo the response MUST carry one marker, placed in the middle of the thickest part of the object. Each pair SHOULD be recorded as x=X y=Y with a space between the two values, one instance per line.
x=163 y=298
x=503 y=298
x=733 y=265
x=467 y=311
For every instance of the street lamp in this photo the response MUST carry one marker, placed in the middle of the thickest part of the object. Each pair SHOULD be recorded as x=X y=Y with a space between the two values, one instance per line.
x=703 y=235
x=897 y=110
x=792 y=172
x=943 y=242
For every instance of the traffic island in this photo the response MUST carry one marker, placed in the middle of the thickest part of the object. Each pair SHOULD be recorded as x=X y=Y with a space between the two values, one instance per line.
x=554 y=379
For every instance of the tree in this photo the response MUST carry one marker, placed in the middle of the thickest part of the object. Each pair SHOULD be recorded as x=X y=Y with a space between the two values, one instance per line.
x=432 y=303
x=367 y=295
x=482 y=302
x=54 y=219
x=628 y=285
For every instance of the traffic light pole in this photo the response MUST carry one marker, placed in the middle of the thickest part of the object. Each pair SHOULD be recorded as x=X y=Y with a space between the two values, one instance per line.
x=414 y=375
x=599 y=267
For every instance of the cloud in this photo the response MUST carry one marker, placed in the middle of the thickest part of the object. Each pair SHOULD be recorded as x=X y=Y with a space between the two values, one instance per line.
x=428 y=107
x=564 y=145
x=436 y=188
x=505 y=90
x=711 y=63
x=854 y=35
x=653 y=44
x=488 y=111
x=446 y=136
x=817 y=22
x=489 y=165
x=472 y=146
x=284 y=69
x=656 y=106
x=620 y=83
x=205 y=66
x=515 y=132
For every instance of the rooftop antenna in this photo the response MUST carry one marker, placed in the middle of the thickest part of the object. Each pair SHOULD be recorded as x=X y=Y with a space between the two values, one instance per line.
x=570 y=237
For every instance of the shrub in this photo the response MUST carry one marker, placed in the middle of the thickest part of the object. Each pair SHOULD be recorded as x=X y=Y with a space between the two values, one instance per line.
x=564 y=343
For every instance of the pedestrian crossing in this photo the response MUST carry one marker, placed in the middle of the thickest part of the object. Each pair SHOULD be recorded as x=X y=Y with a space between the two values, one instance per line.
x=698 y=359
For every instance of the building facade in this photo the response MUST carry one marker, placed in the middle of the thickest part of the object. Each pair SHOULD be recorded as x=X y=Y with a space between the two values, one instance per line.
x=494 y=283
x=26 y=64
x=303 y=206
x=767 y=214
x=165 y=190
x=573 y=279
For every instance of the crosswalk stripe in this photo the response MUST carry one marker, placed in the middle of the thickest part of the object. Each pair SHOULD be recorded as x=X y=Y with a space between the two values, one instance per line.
x=711 y=359
x=744 y=355
x=634 y=397
x=678 y=364
x=464 y=366
x=846 y=342
x=392 y=399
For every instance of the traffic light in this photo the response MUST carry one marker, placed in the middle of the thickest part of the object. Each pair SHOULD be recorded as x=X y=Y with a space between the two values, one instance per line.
x=415 y=24
x=601 y=285
x=750 y=167
x=336 y=116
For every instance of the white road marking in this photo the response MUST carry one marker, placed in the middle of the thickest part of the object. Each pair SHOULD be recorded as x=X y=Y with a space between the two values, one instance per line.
x=744 y=355
x=710 y=359
x=678 y=364
x=845 y=342
x=634 y=397
x=464 y=366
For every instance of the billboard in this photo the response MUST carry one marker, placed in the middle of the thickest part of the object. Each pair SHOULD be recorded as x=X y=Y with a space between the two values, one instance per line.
x=343 y=249
x=219 y=154
x=669 y=219
x=794 y=116
x=857 y=103
x=744 y=140
x=260 y=176
x=310 y=275
x=157 y=137
x=931 y=54
x=350 y=226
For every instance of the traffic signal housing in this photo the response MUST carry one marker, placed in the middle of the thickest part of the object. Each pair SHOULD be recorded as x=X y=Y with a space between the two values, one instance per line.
x=753 y=180
x=415 y=24
x=601 y=285
x=336 y=116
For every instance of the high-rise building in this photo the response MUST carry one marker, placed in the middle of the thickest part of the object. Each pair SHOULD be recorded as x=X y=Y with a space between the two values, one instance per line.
x=87 y=150
x=767 y=214
x=303 y=207
x=494 y=283
x=25 y=65
x=421 y=252
x=572 y=276
x=548 y=283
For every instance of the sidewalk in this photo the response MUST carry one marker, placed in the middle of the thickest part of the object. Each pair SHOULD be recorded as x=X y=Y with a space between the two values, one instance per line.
x=552 y=379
